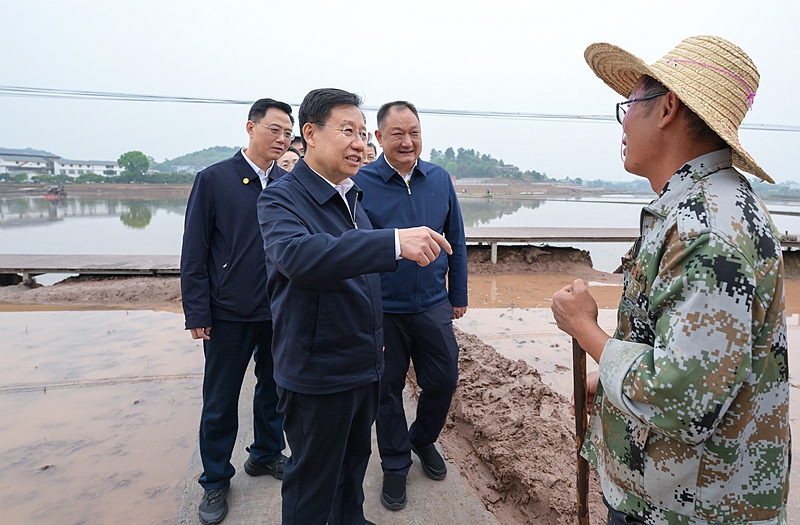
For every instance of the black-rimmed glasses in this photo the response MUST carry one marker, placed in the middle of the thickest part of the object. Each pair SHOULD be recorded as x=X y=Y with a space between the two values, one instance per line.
x=621 y=110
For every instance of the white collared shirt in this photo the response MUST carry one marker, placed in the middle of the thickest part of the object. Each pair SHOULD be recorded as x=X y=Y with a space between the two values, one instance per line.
x=342 y=188
x=407 y=176
x=262 y=175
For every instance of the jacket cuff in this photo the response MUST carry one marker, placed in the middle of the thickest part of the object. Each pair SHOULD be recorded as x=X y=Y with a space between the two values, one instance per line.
x=197 y=322
x=616 y=361
x=458 y=299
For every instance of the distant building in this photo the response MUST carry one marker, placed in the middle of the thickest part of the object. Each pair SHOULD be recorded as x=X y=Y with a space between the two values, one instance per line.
x=41 y=162
x=27 y=161
x=73 y=168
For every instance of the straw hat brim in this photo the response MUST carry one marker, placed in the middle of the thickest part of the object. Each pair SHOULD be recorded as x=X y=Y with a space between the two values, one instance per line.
x=621 y=70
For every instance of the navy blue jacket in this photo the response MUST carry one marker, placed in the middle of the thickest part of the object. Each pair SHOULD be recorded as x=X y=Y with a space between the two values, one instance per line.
x=430 y=200
x=323 y=284
x=222 y=258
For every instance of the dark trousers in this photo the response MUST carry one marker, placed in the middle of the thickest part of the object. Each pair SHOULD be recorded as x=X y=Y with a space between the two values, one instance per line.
x=616 y=517
x=228 y=354
x=428 y=340
x=330 y=437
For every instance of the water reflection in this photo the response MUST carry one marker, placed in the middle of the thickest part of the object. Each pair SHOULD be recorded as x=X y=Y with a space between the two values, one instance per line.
x=479 y=211
x=141 y=225
x=29 y=211
x=92 y=225
x=137 y=216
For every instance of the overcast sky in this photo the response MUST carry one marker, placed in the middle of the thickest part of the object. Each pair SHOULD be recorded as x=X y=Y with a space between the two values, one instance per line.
x=479 y=56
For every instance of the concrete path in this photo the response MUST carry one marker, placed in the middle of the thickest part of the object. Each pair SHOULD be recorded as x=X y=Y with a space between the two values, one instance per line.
x=258 y=500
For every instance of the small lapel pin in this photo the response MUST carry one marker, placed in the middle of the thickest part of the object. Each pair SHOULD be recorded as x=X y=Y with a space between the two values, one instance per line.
x=246 y=180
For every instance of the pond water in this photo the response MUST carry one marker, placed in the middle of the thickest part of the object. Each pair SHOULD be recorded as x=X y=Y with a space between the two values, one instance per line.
x=141 y=226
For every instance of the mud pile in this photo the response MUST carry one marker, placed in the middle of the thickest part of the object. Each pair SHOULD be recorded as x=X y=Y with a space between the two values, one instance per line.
x=514 y=438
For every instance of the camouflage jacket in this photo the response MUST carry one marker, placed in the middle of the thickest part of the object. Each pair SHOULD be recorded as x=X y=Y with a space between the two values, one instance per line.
x=691 y=423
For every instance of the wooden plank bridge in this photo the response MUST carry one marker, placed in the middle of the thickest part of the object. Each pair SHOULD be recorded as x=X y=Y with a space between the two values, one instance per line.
x=32 y=265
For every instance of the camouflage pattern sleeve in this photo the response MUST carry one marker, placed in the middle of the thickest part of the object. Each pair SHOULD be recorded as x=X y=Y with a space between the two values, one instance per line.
x=700 y=354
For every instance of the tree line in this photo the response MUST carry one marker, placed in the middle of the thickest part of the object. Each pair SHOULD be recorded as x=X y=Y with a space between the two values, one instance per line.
x=468 y=163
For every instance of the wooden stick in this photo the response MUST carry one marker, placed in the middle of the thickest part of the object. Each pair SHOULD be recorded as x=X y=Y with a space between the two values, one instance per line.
x=579 y=379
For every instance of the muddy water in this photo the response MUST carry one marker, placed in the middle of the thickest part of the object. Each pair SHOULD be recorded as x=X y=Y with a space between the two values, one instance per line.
x=100 y=413
x=100 y=408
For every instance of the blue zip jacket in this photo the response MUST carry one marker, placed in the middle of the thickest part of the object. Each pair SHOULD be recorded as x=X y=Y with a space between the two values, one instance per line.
x=429 y=200
x=323 y=284
x=222 y=258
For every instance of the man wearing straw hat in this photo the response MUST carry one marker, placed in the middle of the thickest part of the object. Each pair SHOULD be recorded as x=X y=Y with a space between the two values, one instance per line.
x=691 y=413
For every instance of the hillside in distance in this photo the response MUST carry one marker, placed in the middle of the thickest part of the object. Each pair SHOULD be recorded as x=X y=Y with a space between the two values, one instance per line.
x=196 y=161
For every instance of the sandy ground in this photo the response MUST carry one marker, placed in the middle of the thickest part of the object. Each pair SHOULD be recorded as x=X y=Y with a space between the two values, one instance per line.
x=508 y=429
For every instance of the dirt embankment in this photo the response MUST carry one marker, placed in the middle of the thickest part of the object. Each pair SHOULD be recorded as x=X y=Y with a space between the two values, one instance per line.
x=533 y=259
x=514 y=439
x=88 y=291
x=95 y=291
x=164 y=292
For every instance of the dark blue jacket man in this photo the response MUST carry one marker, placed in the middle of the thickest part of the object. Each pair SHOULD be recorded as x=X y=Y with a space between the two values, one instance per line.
x=223 y=283
x=323 y=283
x=400 y=191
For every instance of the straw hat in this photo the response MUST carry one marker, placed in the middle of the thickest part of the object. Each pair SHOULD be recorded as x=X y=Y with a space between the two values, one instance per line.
x=710 y=75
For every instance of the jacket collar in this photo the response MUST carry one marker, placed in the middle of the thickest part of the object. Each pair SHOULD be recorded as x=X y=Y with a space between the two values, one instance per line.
x=245 y=171
x=321 y=190
x=275 y=173
x=386 y=172
x=685 y=178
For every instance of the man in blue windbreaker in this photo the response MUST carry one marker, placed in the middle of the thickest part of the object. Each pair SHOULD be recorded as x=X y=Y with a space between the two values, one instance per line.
x=402 y=191
x=324 y=259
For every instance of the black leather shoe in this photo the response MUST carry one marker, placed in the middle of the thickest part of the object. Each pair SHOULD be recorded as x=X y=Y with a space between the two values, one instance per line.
x=432 y=462
x=393 y=495
x=274 y=469
x=213 y=508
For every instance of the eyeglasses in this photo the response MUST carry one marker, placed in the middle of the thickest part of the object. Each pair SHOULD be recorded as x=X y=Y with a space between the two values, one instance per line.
x=621 y=110
x=348 y=132
x=276 y=131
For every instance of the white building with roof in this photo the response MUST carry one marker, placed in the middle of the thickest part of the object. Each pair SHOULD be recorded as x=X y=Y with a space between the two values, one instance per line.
x=73 y=168
x=27 y=160
x=42 y=162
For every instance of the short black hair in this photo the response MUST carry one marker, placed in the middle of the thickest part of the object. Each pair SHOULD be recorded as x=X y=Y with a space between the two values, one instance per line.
x=374 y=149
x=384 y=110
x=295 y=151
x=260 y=107
x=318 y=103
x=696 y=127
x=297 y=139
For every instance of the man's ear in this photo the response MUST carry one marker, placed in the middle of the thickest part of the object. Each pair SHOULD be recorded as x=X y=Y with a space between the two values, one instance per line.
x=669 y=109
x=379 y=137
x=249 y=127
x=308 y=133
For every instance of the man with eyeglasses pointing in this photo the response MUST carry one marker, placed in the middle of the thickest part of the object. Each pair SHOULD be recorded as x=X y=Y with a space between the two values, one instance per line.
x=690 y=419
x=324 y=261
x=223 y=283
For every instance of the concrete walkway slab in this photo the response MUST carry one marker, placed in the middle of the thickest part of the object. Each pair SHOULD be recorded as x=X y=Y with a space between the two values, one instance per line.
x=258 y=500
